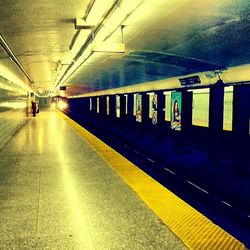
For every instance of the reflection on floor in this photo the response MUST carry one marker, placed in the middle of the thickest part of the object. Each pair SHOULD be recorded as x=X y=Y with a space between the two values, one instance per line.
x=57 y=193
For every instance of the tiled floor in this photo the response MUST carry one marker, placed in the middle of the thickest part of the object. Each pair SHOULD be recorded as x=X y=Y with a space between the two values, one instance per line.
x=57 y=193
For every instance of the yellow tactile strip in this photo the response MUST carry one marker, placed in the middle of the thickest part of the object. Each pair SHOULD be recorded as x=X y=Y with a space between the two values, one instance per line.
x=194 y=229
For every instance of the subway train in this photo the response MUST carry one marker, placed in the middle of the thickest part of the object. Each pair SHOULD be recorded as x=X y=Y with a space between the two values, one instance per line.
x=171 y=133
x=150 y=107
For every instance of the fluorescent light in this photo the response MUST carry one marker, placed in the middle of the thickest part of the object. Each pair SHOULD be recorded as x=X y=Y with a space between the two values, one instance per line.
x=81 y=39
x=63 y=69
x=130 y=5
x=98 y=10
x=115 y=20
x=102 y=34
x=108 y=47
x=14 y=104
x=86 y=52
x=115 y=15
x=82 y=24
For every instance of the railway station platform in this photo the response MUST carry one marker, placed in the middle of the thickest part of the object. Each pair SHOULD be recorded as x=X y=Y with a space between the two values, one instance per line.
x=62 y=188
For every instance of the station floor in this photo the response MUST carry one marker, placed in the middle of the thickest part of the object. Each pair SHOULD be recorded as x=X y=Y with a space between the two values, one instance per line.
x=57 y=192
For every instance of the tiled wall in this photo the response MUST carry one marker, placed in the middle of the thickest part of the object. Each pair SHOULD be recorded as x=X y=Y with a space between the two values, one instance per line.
x=13 y=103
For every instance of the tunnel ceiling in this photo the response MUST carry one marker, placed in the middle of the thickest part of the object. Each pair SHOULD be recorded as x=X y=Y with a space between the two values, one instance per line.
x=162 y=39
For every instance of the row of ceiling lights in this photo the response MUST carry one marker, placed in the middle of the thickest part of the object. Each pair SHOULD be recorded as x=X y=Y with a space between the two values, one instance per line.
x=11 y=55
x=98 y=26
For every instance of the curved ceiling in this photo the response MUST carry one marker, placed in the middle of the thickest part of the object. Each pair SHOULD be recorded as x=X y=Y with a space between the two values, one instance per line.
x=162 y=38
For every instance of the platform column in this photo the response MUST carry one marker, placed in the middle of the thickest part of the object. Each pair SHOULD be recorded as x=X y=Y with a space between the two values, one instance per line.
x=186 y=120
x=122 y=109
x=159 y=126
x=187 y=108
x=216 y=109
x=130 y=115
x=85 y=103
x=241 y=119
x=145 y=108
x=102 y=107
x=112 y=107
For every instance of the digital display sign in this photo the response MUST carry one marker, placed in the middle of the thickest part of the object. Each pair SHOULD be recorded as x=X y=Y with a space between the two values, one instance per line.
x=190 y=80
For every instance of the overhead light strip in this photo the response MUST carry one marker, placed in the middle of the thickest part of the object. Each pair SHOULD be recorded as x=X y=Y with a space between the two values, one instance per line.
x=96 y=29
x=87 y=42
x=89 y=8
x=12 y=56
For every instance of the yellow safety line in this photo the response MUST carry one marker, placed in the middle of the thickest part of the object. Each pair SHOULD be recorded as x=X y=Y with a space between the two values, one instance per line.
x=194 y=229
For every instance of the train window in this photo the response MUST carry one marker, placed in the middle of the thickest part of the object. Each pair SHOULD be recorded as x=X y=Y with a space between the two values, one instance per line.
x=139 y=108
x=228 y=108
x=167 y=106
x=97 y=105
x=90 y=104
x=134 y=106
x=201 y=107
x=107 y=104
x=126 y=104
x=150 y=95
x=153 y=107
x=118 y=104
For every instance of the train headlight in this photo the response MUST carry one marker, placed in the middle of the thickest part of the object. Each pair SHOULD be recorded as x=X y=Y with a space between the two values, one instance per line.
x=53 y=105
x=62 y=105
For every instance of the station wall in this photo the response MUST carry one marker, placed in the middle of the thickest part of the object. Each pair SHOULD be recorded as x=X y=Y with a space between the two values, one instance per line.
x=13 y=109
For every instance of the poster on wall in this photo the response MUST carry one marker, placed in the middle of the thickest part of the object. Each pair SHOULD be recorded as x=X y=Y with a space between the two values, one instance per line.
x=107 y=104
x=138 y=108
x=118 y=104
x=154 y=108
x=176 y=103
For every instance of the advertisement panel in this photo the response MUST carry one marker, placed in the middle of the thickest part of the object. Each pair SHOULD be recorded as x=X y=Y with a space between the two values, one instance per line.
x=138 y=108
x=176 y=102
x=154 y=108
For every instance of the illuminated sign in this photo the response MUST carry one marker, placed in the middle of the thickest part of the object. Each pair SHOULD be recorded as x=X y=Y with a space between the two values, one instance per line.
x=108 y=47
x=63 y=88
